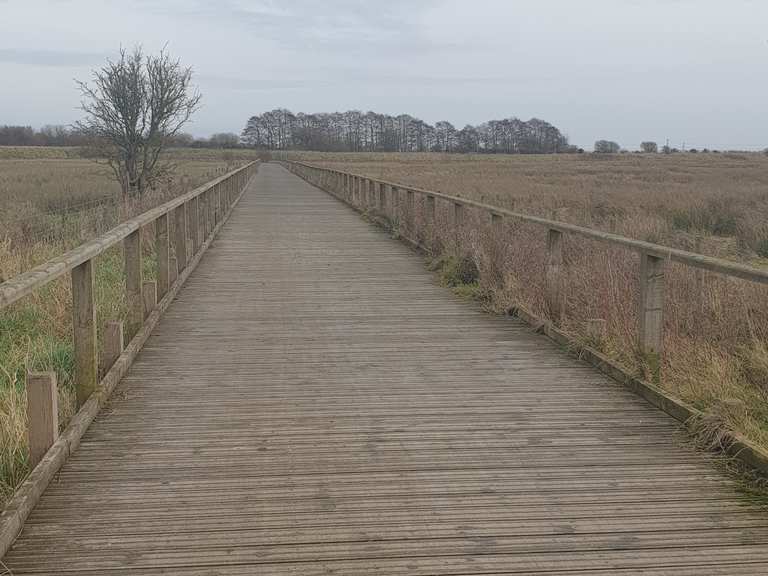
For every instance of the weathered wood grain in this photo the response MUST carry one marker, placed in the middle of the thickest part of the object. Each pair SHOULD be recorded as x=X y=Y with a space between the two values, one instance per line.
x=315 y=403
x=42 y=414
x=699 y=261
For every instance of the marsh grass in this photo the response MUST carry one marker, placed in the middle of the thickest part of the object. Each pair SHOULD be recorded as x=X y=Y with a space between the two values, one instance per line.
x=715 y=329
x=35 y=333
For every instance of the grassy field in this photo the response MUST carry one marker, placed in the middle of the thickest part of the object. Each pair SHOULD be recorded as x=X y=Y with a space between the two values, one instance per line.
x=52 y=200
x=716 y=328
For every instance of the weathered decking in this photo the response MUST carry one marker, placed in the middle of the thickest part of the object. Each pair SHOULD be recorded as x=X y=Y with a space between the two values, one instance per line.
x=314 y=403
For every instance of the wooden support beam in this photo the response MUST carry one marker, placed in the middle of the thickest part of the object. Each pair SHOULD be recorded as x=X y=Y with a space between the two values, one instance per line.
x=132 y=254
x=651 y=313
x=554 y=293
x=431 y=209
x=149 y=297
x=194 y=223
x=42 y=414
x=458 y=222
x=382 y=198
x=112 y=345
x=163 y=249
x=173 y=271
x=84 y=331
x=394 y=194
x=411 y=209
x=180 y=242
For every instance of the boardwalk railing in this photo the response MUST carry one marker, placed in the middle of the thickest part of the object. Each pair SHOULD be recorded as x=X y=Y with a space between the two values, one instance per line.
x=182 y=229
x=396 y=204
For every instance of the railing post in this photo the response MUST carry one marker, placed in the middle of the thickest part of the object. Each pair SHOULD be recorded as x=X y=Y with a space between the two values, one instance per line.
x=651 y=313
x=211 y=211
x=382 y=198
x=554 y=293
x=173 y=271
x=84 y=331
x=112 y=345
x=135 y=312
x=42 y=414
x=394 y=194
x=411 y=210
x=458 y=222
x=203 y=217
x=195 y=224
x=163 y=249
x=219 y=211
x=149 y=297
x=180 y=218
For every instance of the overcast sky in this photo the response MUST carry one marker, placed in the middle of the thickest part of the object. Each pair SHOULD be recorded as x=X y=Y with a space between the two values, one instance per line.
x=626 y=70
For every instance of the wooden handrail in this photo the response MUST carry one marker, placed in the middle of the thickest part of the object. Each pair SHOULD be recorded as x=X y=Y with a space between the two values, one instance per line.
x=657 y=250
x=24 y=284
x=350 y=187
x=196 y=215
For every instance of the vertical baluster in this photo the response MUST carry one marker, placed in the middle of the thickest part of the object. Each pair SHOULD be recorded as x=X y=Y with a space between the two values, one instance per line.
x=84 y=331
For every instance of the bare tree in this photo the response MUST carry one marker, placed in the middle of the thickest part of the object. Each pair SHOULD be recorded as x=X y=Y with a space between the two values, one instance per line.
x=134 y=108
x=649 y=147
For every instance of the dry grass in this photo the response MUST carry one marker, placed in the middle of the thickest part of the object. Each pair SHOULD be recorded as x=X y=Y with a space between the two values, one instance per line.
x=51 y=200
x=716 y=328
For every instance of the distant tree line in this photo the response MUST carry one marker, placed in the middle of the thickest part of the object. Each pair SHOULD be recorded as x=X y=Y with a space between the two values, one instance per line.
x=355 y=131
x=65 y=136
x=45 y=136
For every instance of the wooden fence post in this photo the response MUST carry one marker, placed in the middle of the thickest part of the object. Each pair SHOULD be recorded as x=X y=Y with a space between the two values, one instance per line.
x=194 y=224
x=180 y=244
x=42 y=414
x=163 y=249
x=135 y=313
x=394 y=193
x=112 y=345
x=458 y=222
x=84 y=331
x=651 y=313
x=149 y=297
x=211 y=211
x=554 y=292
x=382 y=197
x=173 y=271
x=411 y=207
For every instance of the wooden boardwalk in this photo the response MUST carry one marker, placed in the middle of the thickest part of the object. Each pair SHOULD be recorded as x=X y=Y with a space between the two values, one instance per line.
x=314 y=404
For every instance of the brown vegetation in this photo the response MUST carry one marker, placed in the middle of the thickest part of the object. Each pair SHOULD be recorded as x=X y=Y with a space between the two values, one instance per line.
x=716 y=328
x=50 y=201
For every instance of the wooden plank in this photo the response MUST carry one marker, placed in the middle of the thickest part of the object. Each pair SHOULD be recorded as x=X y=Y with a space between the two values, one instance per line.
x=24 y=284
x=555 y=290
x=84 y=331
x=651 y=313
x=341 y=411
x=163 y=249
x=112 y=345
x=42 y=414
x=180 y=241
x=26 y=497
x=133 y=281
x=700 y=261
x=149 y=297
